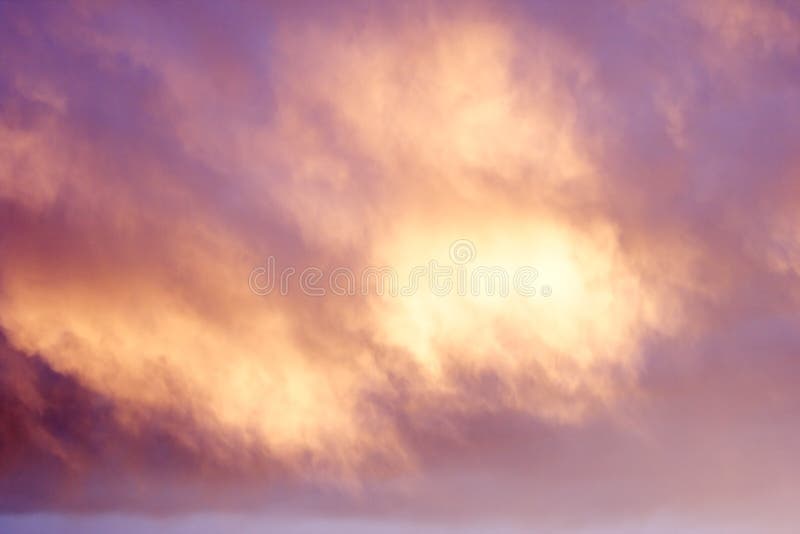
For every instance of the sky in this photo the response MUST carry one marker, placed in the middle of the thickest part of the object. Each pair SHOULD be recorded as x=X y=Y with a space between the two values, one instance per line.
x=426 y=266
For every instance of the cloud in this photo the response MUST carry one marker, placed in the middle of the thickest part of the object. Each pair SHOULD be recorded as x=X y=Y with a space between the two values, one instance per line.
x=640 y=156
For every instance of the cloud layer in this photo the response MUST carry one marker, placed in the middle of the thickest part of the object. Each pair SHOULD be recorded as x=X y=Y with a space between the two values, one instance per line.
x=642 y=156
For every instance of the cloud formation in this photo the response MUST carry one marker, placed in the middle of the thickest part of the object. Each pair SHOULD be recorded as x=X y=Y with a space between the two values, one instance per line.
x=642 y=156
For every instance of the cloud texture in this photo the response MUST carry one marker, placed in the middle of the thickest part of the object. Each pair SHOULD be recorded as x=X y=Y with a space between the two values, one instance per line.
x=643 y=156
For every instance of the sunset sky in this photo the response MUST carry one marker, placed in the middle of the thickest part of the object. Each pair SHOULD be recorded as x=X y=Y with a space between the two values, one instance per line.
x=634 y=164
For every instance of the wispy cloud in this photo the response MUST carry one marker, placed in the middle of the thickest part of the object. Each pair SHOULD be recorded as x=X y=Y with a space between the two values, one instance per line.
x=641 y=156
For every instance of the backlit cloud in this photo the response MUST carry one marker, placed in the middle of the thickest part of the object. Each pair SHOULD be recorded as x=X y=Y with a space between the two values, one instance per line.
x=640 y=156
